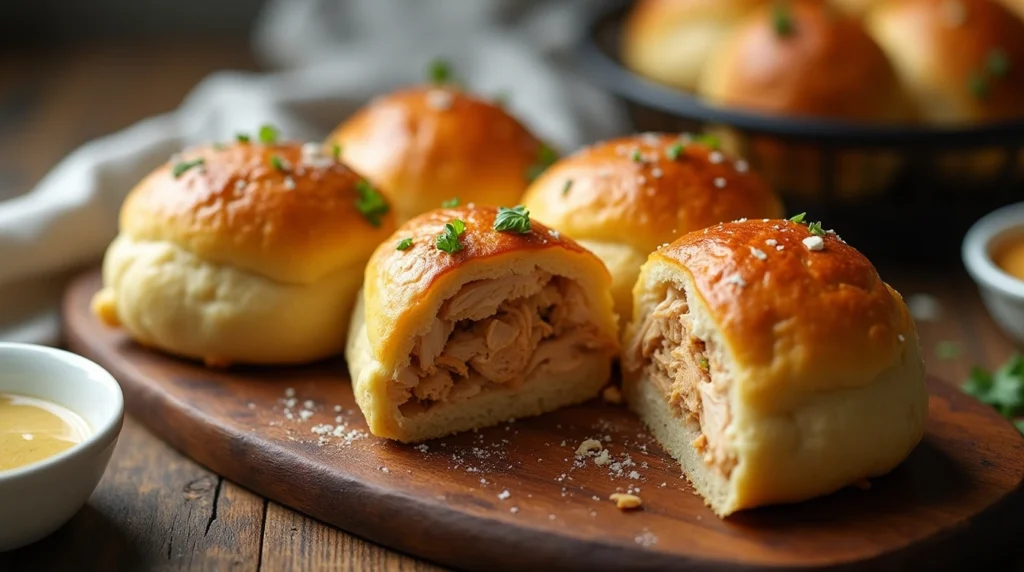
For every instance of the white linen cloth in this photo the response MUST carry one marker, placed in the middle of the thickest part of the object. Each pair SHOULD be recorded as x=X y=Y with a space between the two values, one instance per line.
x=332 y=56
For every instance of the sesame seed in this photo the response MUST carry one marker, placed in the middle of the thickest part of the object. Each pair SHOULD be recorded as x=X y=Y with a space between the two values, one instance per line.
x=771 y=242
x=240 y=184
x=656 y=173
x=736 y=279
x=503 y=495
x=289 y=183
x=741 y=166
x=554 y=233
x=716 y=157
x=720 y=182
x=814 y=243
x=290 y=392
x=779 y=247
x=744 y=219
x=758 y=254
x=901 y=338
x=439 y=99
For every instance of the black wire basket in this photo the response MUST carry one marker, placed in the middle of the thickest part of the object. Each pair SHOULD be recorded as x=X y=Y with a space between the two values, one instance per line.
x=899 y=192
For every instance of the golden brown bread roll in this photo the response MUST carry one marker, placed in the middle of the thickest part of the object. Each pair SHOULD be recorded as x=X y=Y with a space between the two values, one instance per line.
x=622 y=198
x=773 y=363
x=670 y=41
x=505 y=325
x=961 y=60
x=426 y=145
x=805 y=58
x=245 y=253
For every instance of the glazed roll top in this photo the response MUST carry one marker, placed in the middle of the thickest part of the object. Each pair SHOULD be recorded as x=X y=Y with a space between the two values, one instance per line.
x=427 y=145
x=959 y=59
x=773 y=362
x=623 y=198
x=805 y=58
x=462 y=325
x=670 y=41
x=243 y=253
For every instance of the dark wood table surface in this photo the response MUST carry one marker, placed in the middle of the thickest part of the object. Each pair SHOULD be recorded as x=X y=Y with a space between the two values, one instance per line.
x=156 y=509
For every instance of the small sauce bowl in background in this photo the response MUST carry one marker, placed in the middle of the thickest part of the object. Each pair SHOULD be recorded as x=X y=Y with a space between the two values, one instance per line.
x=38 y=498
x=993 y=253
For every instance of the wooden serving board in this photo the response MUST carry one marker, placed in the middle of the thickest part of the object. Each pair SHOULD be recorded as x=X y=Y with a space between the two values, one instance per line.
x=514 y=496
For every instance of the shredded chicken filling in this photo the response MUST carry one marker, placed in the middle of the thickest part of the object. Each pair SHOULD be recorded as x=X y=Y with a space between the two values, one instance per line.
x=496 y=333
x=689 y=376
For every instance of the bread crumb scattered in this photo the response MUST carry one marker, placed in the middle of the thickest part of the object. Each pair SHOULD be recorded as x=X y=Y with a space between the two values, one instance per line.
x=611 y=394
x=588 y=446
x=602 y=458
x=503 y=495
x=625 y=501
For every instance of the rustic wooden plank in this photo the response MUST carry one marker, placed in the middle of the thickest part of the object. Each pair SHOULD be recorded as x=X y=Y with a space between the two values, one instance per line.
x=294 y=542
x=153 y=510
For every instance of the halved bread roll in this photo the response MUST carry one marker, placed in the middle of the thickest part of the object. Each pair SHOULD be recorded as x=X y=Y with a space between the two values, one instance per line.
x=774 y=364
x=507 y=325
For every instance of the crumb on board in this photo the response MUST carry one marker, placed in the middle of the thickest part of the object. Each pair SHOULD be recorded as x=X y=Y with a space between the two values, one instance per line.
x=611 y=394
x=587 y=446
x=625 y=501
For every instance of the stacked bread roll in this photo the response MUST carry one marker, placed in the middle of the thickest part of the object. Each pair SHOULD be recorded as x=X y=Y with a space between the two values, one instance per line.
x=471 y=277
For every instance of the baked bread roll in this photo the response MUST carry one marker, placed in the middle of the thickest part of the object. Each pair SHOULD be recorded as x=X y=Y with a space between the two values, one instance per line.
x=427 y=145
x=507 y=325
x=774 y=364
x=805 y=58
x=246 y=253
x=670 y=41
x=959 y=59
x=623 y=198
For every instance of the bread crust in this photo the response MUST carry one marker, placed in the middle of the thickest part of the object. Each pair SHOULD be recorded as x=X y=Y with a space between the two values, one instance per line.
x=428 y=144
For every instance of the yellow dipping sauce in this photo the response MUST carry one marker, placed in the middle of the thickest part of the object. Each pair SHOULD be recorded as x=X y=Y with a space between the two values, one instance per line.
x=1010 y=257
x=33 y=429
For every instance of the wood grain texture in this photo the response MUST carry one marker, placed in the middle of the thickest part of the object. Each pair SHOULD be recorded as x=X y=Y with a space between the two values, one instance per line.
x=957 y=493
x=293 y=542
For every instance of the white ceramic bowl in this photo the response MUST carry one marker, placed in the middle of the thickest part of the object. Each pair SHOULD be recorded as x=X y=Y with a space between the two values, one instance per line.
x=1002 y=294
x=37 y=499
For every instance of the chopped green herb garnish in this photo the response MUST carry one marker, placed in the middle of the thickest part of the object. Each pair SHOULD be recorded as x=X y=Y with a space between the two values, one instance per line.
x=242 y=138
x=515 y=219
x=637 y=157
x=268 y=134
x=708 y=140
x=336 y=151
x=798 y=218
x=371 y=203
x=546 y=156
x=568 y=185
x=439 y=72
x=815 y=229
x=979 y=85
x=404 y=244
x=997 y=63
x=277 y=162
x=703 y=363
x=782 y=20
x=1003 y=389
x=180 y=167
x=451 y=203
x=675 y=151
x=448 y=241
x=947 y=350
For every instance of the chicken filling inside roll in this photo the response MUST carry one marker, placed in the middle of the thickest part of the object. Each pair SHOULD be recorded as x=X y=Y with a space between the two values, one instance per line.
x=497 y=333
x=688 y=371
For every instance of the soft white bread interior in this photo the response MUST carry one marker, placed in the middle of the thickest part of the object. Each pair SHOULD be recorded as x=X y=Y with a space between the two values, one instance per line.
x=774 y=372
x=511 y=325
x=253 y=254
